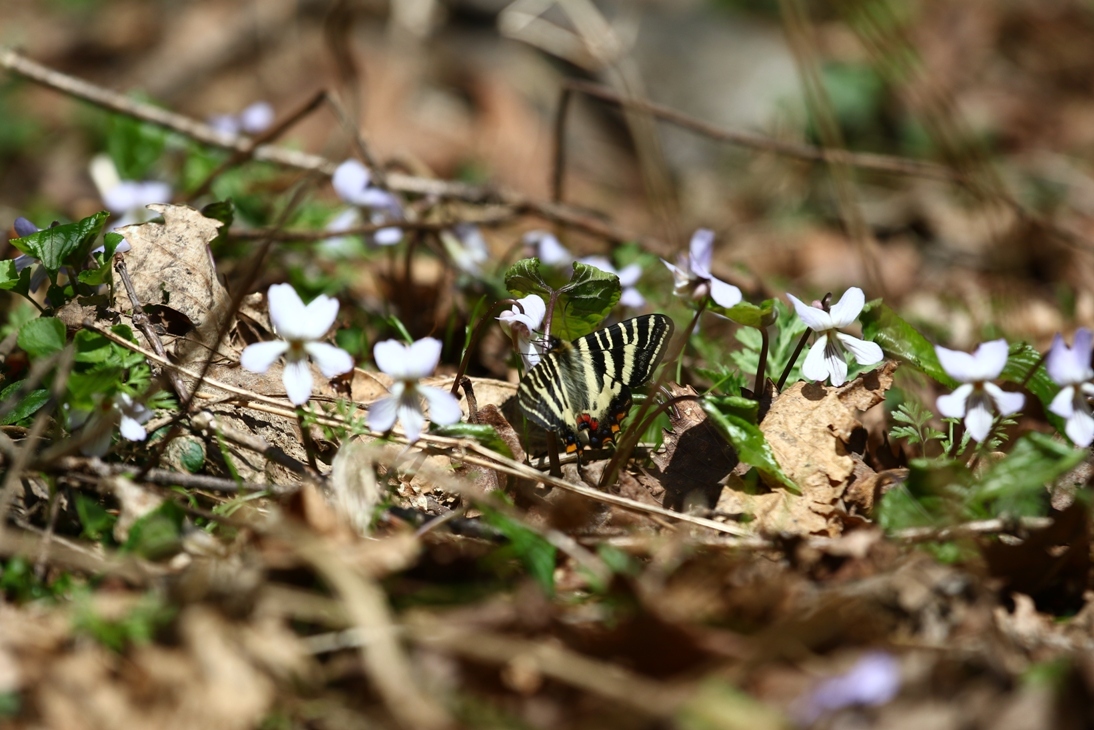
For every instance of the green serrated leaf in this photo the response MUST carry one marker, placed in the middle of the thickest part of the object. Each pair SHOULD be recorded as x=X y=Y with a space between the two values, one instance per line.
x=523 y=278
x=42 y=337
x=1034 y=461
x=902 y=341
x=111 y=241
x=585 y=301
x=67 y=244
x=27 y=406
x=1021 y=359
x=750 y=444
x=480 y=432
x=12 y=280
x=83 y=387
x=747 y=314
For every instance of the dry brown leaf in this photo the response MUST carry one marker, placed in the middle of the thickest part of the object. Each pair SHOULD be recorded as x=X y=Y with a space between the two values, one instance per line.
x=808 y=428
x=171 y=267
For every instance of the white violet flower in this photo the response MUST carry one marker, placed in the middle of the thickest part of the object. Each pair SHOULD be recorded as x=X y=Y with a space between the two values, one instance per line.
x=692 y=273
x=127 y=199
x=628 y=277
x=976 y=398
x=352 y=182
x=826 y=359
x=545 y=247
x=130 y=416
x=407 y=364
x=524 y=324
x=300 y=328
x=1070 y=368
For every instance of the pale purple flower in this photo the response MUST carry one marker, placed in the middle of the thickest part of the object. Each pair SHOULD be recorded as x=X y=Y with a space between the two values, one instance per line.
x=524 y=324
x=130 y=416
x=977 y=398
x=826 y=359
x=628 y=277
x=873 y=680
x=300 y=328
x=692 y=276
x=1070 y=369
x=254 y=119
x=408 y=364
x=466 y=248
x=545 y=247
x=352 y=182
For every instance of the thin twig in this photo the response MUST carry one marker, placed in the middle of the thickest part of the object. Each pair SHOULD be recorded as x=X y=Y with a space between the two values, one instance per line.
x=570 y=216
x=140 y=320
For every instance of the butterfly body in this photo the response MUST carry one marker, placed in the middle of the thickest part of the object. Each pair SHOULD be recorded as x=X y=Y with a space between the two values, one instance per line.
x=581 y=390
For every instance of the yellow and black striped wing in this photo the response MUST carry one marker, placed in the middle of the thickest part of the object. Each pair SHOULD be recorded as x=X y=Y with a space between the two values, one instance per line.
x=581 y=390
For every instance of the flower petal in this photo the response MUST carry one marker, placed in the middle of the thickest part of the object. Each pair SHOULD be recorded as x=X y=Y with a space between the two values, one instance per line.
x=864 y=352
x=1067 y=366
x=443 y=406
x=392 y=357
x=632 y=298
x=835 y=361
x=412 y=418
x=1080 y=428
x=629 y=275
x=100 y=443
x=257 y=117
x=319 y=315
x=1063 y=405
x=815 y=318
x=424 y=355
x=298 y=381
x=382 y=413
x=258 y=358
x=848 y=308
x=388 y=236
x=958 y=365
x=814 y=366
x=350 y=179
x=132 y=430
x=978 y=419
x=24 y=227
x=701 y=252
x=548 y=249
x=1007 y=402
x=955 y=404
x=991 y=358
x=331 y=360
x=286 y=311
x=724 y=294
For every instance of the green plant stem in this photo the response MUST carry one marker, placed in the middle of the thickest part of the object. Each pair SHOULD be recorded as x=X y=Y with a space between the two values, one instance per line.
x=761 y=366
x=793 y=359
x=679 y=355
x=305 y=437
x=476 y=335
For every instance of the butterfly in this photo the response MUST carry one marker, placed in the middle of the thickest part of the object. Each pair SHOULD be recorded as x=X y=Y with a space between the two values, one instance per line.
x=581 y=390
